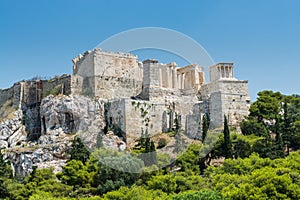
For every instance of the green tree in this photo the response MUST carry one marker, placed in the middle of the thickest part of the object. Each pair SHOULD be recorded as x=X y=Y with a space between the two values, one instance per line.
x=115 y=170
x=227 y=145
x=252 y=126
x=79 y=151
x=76 y=174
x=241 y=148
x=199 y=195
x=257 y=178
x=279 y=147
x=39 y=181
x=5 y=173
x=153 y=153
x=267 y=105
x=137 y=193
x=205 y=126
x=189 y=161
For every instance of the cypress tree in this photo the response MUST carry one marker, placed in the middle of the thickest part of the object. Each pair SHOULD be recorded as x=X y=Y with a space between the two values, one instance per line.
x=205 y=126
x=279 y=147
x=286 y=127
x=142 y=139
x=153 y=153
x=227 y=145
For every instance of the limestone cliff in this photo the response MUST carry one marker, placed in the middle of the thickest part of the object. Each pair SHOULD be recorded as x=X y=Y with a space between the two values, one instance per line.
x=61 y=118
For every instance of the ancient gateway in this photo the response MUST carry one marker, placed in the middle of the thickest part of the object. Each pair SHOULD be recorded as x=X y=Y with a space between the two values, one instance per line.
x=142 y=95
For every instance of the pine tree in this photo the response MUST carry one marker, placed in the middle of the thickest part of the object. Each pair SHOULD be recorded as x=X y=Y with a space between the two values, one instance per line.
x=227 y=145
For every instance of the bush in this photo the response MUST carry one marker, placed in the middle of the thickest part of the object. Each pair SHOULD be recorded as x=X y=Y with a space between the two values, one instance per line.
x=54 y=91
x=162 y=143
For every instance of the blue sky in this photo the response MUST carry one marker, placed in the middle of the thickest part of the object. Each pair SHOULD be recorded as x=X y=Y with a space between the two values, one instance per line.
x=262 y=38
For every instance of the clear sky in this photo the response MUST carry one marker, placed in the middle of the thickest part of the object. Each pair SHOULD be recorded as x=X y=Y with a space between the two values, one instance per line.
x=262 y=38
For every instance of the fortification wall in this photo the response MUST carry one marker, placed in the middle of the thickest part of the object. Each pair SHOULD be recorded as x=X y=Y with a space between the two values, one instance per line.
x=120 y=65
x=227 y=97
x=226 y=86
x=132 y=116
x=114 y=87
x=107 y=75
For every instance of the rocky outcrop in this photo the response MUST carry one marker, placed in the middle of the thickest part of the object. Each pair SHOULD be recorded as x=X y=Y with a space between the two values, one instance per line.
x=50 y=151
x=74 y=114
x=62 y=118
x=111 y=141
x=12 y=131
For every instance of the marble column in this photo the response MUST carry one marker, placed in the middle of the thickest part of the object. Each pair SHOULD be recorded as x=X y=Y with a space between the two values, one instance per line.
x=179 y=81
x=175 y=83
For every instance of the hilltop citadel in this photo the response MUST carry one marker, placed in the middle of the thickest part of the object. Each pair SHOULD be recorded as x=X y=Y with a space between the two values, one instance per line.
x=139 y=94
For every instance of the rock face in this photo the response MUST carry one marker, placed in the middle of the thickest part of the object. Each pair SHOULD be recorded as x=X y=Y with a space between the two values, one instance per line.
x=61 y=117
x=111 y=141
x=12 y=131
x=74 y=114
x=49 y=151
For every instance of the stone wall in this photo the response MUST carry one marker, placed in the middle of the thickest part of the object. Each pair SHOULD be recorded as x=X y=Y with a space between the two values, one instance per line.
x=113 y=87
x=131 y=117
x=142 y=115
x=226 y=97
x=193 y=126
x=107 y=75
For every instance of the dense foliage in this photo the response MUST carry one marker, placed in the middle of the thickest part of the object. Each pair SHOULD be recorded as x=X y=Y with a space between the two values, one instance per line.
x=262 y=163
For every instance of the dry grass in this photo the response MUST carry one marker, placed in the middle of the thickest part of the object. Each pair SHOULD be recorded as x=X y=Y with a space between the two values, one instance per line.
x=7 y=110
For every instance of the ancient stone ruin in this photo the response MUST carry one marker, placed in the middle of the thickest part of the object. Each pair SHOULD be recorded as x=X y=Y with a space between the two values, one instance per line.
x=159 y=92
x=116 y=93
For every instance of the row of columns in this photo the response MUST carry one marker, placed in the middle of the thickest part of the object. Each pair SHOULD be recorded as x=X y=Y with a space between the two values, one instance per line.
x=168 y=76
x=171 y=77
x=226 y=71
